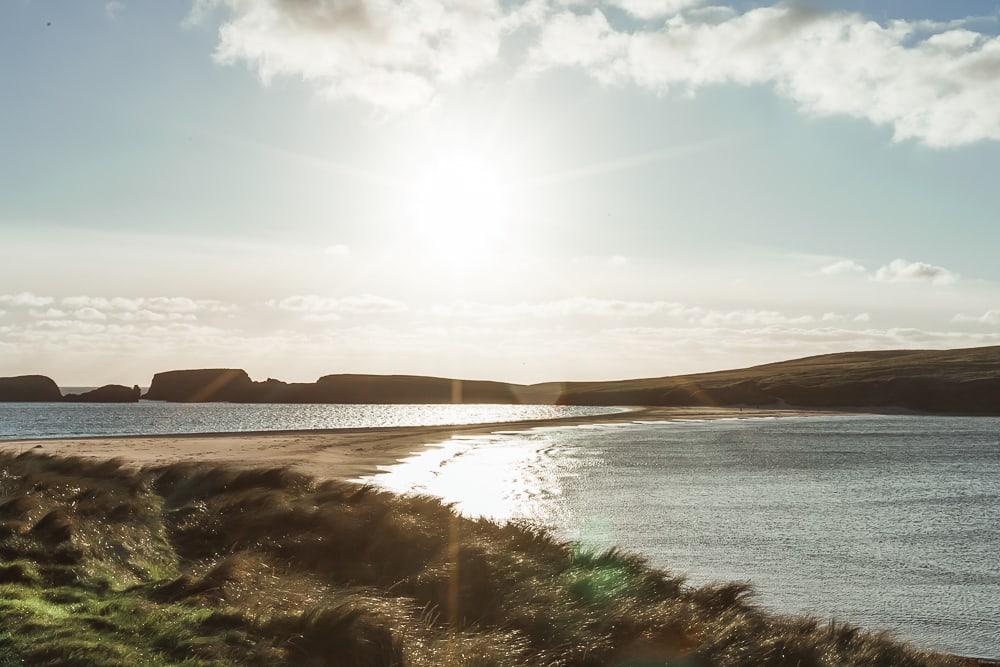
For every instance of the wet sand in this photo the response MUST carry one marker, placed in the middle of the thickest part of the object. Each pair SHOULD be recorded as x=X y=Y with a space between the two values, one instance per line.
x=344 y=454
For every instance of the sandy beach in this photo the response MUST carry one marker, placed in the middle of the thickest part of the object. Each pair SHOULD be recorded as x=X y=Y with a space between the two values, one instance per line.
x=343 y=454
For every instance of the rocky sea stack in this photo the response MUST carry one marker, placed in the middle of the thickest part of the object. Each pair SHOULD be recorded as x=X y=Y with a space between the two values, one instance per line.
x=29 y=388
x=109 y=393
x=201 y=386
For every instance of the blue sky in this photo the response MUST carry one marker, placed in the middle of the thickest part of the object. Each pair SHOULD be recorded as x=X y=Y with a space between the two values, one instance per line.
x=523 y=191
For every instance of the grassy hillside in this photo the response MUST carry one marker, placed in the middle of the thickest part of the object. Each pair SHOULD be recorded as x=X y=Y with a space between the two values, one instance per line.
x=197 y=565
x=965 y=380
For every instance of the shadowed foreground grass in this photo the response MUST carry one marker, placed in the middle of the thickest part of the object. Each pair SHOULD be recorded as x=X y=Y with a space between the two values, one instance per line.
x=198 y=565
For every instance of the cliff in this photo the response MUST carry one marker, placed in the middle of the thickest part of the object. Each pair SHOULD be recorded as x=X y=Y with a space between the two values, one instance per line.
x=29 y=388
x=410 y=389
x=201 y=386
x=109 y=393
x=235 y=386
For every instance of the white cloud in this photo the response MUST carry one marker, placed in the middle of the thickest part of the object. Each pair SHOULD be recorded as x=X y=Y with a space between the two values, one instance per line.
x=113 y=8
x=903 y=271
x=750 y=317
x=101 y=302
x=321 y=308
x=841 y=267
x=88 y=313
x=144 y=315
x=160 y=304
x=651 y=9
x=25 y=299
x=896 y=271
x=842 y=317
x=390 y=54
x=942 y=89
x=617 y=309
x=583 y=40
x=573 y=307
x=989 y=317
x=48 y=313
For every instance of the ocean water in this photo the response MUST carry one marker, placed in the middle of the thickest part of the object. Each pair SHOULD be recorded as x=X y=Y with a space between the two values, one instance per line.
x=53 y=420
x=889 y=522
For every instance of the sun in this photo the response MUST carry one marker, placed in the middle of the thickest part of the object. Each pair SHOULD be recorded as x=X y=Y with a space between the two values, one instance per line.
x=459 y=203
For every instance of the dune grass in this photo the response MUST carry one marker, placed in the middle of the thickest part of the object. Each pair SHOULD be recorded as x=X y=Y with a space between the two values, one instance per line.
x=201 y=565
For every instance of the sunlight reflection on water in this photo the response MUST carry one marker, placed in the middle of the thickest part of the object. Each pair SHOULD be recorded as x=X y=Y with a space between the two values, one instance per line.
x=57 y=420
x=501 y=477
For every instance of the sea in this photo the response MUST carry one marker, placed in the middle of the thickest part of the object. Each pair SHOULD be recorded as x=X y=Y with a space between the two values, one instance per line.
x=890 y=522
x=20 y=421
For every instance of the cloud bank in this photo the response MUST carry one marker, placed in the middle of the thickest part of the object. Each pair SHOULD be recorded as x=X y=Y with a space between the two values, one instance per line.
x=937 y=83
x=97 y=339
x=990 y=317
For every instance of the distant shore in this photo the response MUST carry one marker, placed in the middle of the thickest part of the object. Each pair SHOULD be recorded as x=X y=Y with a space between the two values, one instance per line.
x=341 y=454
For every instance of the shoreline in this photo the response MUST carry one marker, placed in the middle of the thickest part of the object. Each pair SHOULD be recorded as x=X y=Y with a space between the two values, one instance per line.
x=342 y=454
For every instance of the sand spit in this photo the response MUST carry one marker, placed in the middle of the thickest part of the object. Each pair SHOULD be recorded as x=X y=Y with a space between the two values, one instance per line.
x=341 y=454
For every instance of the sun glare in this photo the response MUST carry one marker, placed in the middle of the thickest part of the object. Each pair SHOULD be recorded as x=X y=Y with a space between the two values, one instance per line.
x=459 y=204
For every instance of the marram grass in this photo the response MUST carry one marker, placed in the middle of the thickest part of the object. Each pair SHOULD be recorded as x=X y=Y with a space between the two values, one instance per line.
x=203 y=565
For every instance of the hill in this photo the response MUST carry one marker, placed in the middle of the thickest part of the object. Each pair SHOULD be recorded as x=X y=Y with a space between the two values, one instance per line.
x=947 y=381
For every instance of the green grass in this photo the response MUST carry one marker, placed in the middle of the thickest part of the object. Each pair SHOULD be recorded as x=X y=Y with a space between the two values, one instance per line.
x=199 y=565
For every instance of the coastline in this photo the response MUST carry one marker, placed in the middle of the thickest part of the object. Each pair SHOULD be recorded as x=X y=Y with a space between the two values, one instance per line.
x=340 y=454
x=348 y=454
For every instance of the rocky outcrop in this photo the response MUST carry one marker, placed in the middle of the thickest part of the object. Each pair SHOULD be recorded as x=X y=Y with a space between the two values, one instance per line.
x=29 y=388
x=410 y=389
x=109 y=393
x=234 y=385
x=202 y=386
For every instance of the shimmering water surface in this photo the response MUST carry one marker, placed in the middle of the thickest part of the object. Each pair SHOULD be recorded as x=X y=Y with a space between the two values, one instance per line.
x=890 y=522
x=52 y=420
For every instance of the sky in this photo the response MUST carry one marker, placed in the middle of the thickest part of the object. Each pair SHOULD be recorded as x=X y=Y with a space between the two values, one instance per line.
x=517 y=190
